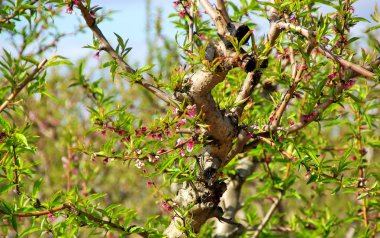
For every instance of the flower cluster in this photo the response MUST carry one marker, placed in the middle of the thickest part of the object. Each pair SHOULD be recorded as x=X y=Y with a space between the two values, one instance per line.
x=183 y=7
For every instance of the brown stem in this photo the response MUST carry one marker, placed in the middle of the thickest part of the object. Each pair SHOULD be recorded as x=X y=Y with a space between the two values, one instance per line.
x=277 y=114
x=15 y=13
x=106 y=46
x=217 y=17
x=267 y=216
x=221 y=6
x=317 y=111
x=25 y=82
x=71 y=207
x=347 y=64
x=272 y=144
x=15 y=170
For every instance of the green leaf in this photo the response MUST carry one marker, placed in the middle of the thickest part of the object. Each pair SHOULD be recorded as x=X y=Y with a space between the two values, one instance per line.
x=312 y=178
x=21 y=138
x=372 y=28
x=6 y=188
x=58 y=60
x=28 y=231
x=353 y=97
x=146 y=68
x=96 y=196
x=36 y=187
x=4 y=124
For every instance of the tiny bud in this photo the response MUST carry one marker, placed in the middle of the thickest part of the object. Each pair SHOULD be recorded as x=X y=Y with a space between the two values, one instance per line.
x=139 y=164
x=50 y=217
x=190 y=145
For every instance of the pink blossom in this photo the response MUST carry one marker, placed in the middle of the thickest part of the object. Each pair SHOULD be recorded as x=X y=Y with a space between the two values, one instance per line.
x=332 y=75
x=166 y=207
x=181 y=122
x=159 y=137
x=190 y=145
x=179 y=142
x=138 y=132
x=191 y=111
x=182 y=13
x=284 y=55
x=97 y=55
x=182 y=152
x=144 y=129
x=139 y=164
x=348 y=84
x=51 y=217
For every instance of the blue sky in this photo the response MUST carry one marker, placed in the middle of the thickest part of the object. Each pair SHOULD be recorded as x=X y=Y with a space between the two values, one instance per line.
x=130 y=19
x=129 y=22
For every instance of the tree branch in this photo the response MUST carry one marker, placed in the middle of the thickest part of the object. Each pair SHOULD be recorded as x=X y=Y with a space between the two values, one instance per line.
x=268 y=216
x=230 y=200
x=272 y=144
x=23 y=84
x=347 y=64
x=221 y=7
x=310 y=35
x=105 y=45
x=219 y=20
x=71 y=207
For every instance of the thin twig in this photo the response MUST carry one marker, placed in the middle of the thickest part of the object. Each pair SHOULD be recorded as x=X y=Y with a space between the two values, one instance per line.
x=277 y=114
x=15 y=170
x=249 y=84
x=106 y=46
x=71 y=207
x=19 y=87
x=347 y=64
x=272 y=144
x=16 y=12
x=310 y=35
x=267 y=216
x=317 y=111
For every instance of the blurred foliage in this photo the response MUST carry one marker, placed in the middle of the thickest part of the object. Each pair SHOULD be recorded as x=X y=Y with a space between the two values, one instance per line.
x=102 y=156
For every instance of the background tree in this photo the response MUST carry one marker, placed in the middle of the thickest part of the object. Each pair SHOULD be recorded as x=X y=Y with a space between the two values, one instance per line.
x=222 y=133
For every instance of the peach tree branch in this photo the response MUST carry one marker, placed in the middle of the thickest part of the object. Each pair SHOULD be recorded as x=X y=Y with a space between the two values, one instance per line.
x=69 y=206
x=23 y=84
x=106 y=46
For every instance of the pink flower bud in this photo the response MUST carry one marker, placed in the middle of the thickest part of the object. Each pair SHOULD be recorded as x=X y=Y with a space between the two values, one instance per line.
x=51 y=217
x=166 y=207
x=182 y=152
x=190 y=145
x=181 y=122
x=191 y=111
